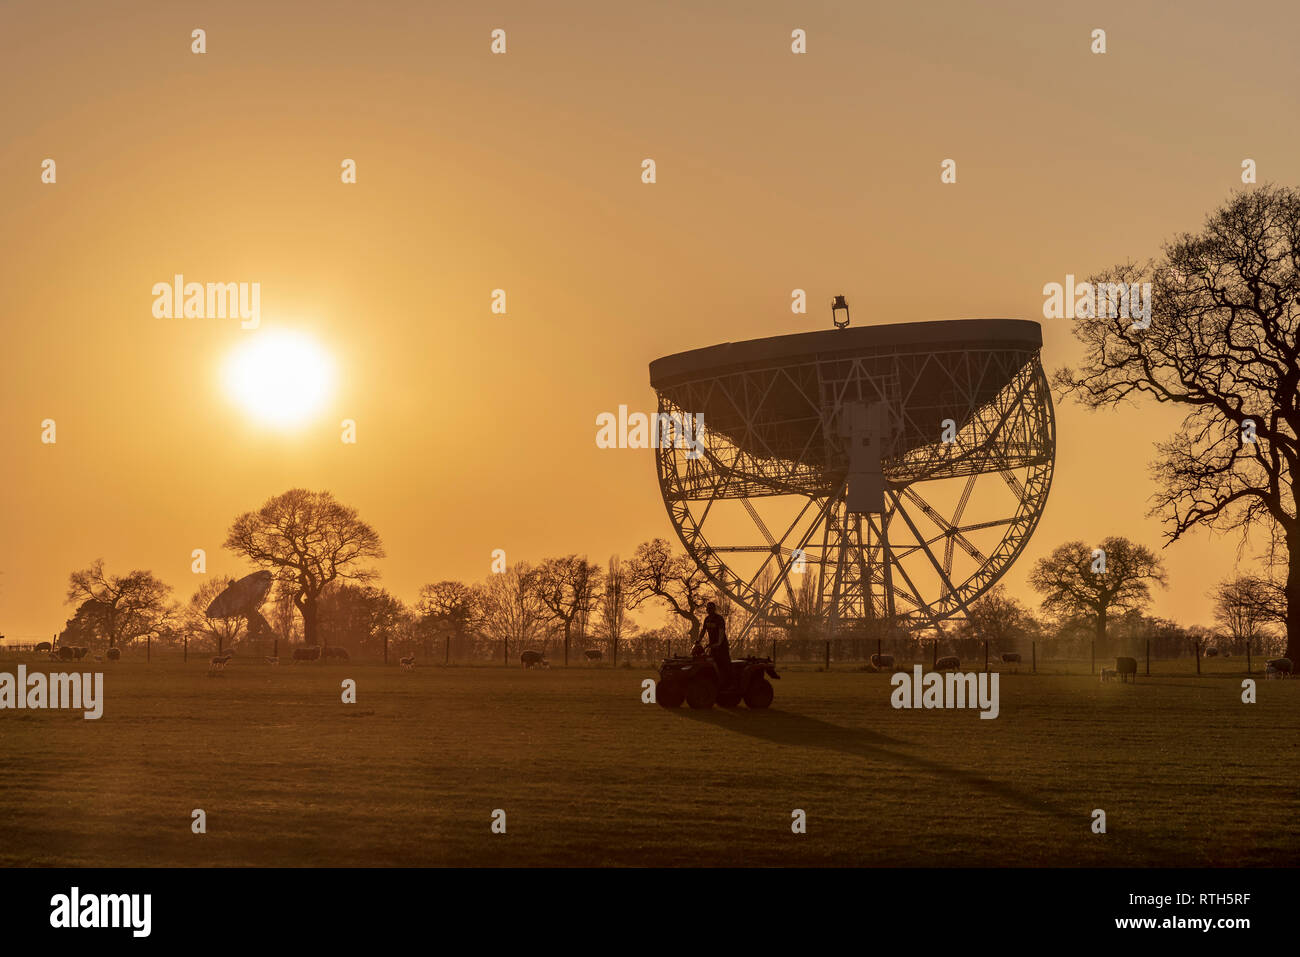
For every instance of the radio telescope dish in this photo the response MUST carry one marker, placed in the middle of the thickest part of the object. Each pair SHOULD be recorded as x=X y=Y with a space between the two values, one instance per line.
x=879 y=474
x=241 y=599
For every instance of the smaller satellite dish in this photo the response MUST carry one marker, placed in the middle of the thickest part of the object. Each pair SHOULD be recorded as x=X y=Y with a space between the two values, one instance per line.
x=241 y=598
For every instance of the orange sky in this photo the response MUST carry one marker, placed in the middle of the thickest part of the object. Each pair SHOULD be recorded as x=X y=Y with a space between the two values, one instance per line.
x=522 y=172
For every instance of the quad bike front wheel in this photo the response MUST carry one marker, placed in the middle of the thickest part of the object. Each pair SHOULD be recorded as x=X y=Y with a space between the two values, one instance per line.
x=702 y=692
x=759 y=694
x=670 y=693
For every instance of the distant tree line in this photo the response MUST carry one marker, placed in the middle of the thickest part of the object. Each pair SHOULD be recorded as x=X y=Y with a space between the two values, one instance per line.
x=324 y=593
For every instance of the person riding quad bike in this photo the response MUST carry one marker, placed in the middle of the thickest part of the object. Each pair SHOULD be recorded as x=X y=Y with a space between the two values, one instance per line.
x=715 y=629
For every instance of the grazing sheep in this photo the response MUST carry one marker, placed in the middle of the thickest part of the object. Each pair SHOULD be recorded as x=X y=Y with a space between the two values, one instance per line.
x=1011 y=658
x=407 y=662
x=1126 y=667
x=43 y=646
x=1211 y=652
x=273 y=660
x=882 y=662
x=1281 y=665
x=339 y=653
x=114 y=654
x=218 y=662
x=947 y=663
x=310 y=653
x=591 y=654
x=534 y=659
x=71 y=653
x=1107 y=674
x=98 y=657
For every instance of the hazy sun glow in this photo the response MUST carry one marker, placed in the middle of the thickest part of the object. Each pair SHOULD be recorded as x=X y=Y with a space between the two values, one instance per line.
x=279 y=378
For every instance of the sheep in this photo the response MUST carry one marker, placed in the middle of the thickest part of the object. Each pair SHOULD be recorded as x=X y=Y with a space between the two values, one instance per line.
x=881 y=662
x=114 y=654
x=1107 y=674
x=592 y=654
x=43 y=646
x=1126 y=667
x=1281 y=665
x=1011 y=658
x=1211 y=652
x=947 y=663
x=218 y=662
x=310 y=653
x=273 y=660
x=407 y=662
x=339 y=653
x=533 y=659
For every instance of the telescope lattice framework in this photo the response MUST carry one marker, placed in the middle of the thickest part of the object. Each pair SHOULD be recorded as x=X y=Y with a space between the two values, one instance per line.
x=858 y=477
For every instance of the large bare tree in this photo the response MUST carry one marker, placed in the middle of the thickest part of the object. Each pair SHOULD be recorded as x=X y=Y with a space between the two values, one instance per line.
x=1076 y=582
x=309 y=540
x=656 y=572
x=1222 y=346
x=566 y=586
x=121 y=608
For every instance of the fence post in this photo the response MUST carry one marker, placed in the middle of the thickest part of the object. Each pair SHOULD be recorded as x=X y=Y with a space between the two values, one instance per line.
x=828 y=656
x=1033 y=653
x=1198 y=656
x=385 y=647
x=1148 y=657
x=148 y=645
x=773 y=651
x=186 y=652
x=447 y=653
x=986 y=656
x=1247 y=656
x=877 y=649
x=1092 y=668
x=934 y=654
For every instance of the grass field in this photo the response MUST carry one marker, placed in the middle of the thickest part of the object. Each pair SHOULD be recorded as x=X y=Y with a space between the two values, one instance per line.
x=587 y=774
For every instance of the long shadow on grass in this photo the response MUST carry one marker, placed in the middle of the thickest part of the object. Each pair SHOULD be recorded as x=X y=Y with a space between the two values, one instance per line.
x=784 y=727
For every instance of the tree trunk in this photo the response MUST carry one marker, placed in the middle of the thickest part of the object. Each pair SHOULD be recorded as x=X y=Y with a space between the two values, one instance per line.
x=309 y=635
x=566 y=642
x=1293 y=598
x=1101 y=631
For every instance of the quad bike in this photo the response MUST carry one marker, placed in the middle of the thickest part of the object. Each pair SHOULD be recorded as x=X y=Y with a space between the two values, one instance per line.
x=695 y=680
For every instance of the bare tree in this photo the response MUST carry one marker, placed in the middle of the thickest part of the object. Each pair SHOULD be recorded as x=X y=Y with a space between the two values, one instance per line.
x=1074 y=581
x=122 y=608
x=512 y=612
x=1246 y=606
x=224 y=631
x=309 y=540
x=1222 y=346
x=995 y=617
x=451 y=608
x=613 y=607
x=655 y=572
x=565 y=587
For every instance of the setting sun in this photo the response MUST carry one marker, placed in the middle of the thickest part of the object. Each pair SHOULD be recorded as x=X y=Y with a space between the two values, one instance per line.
x=279 y=378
